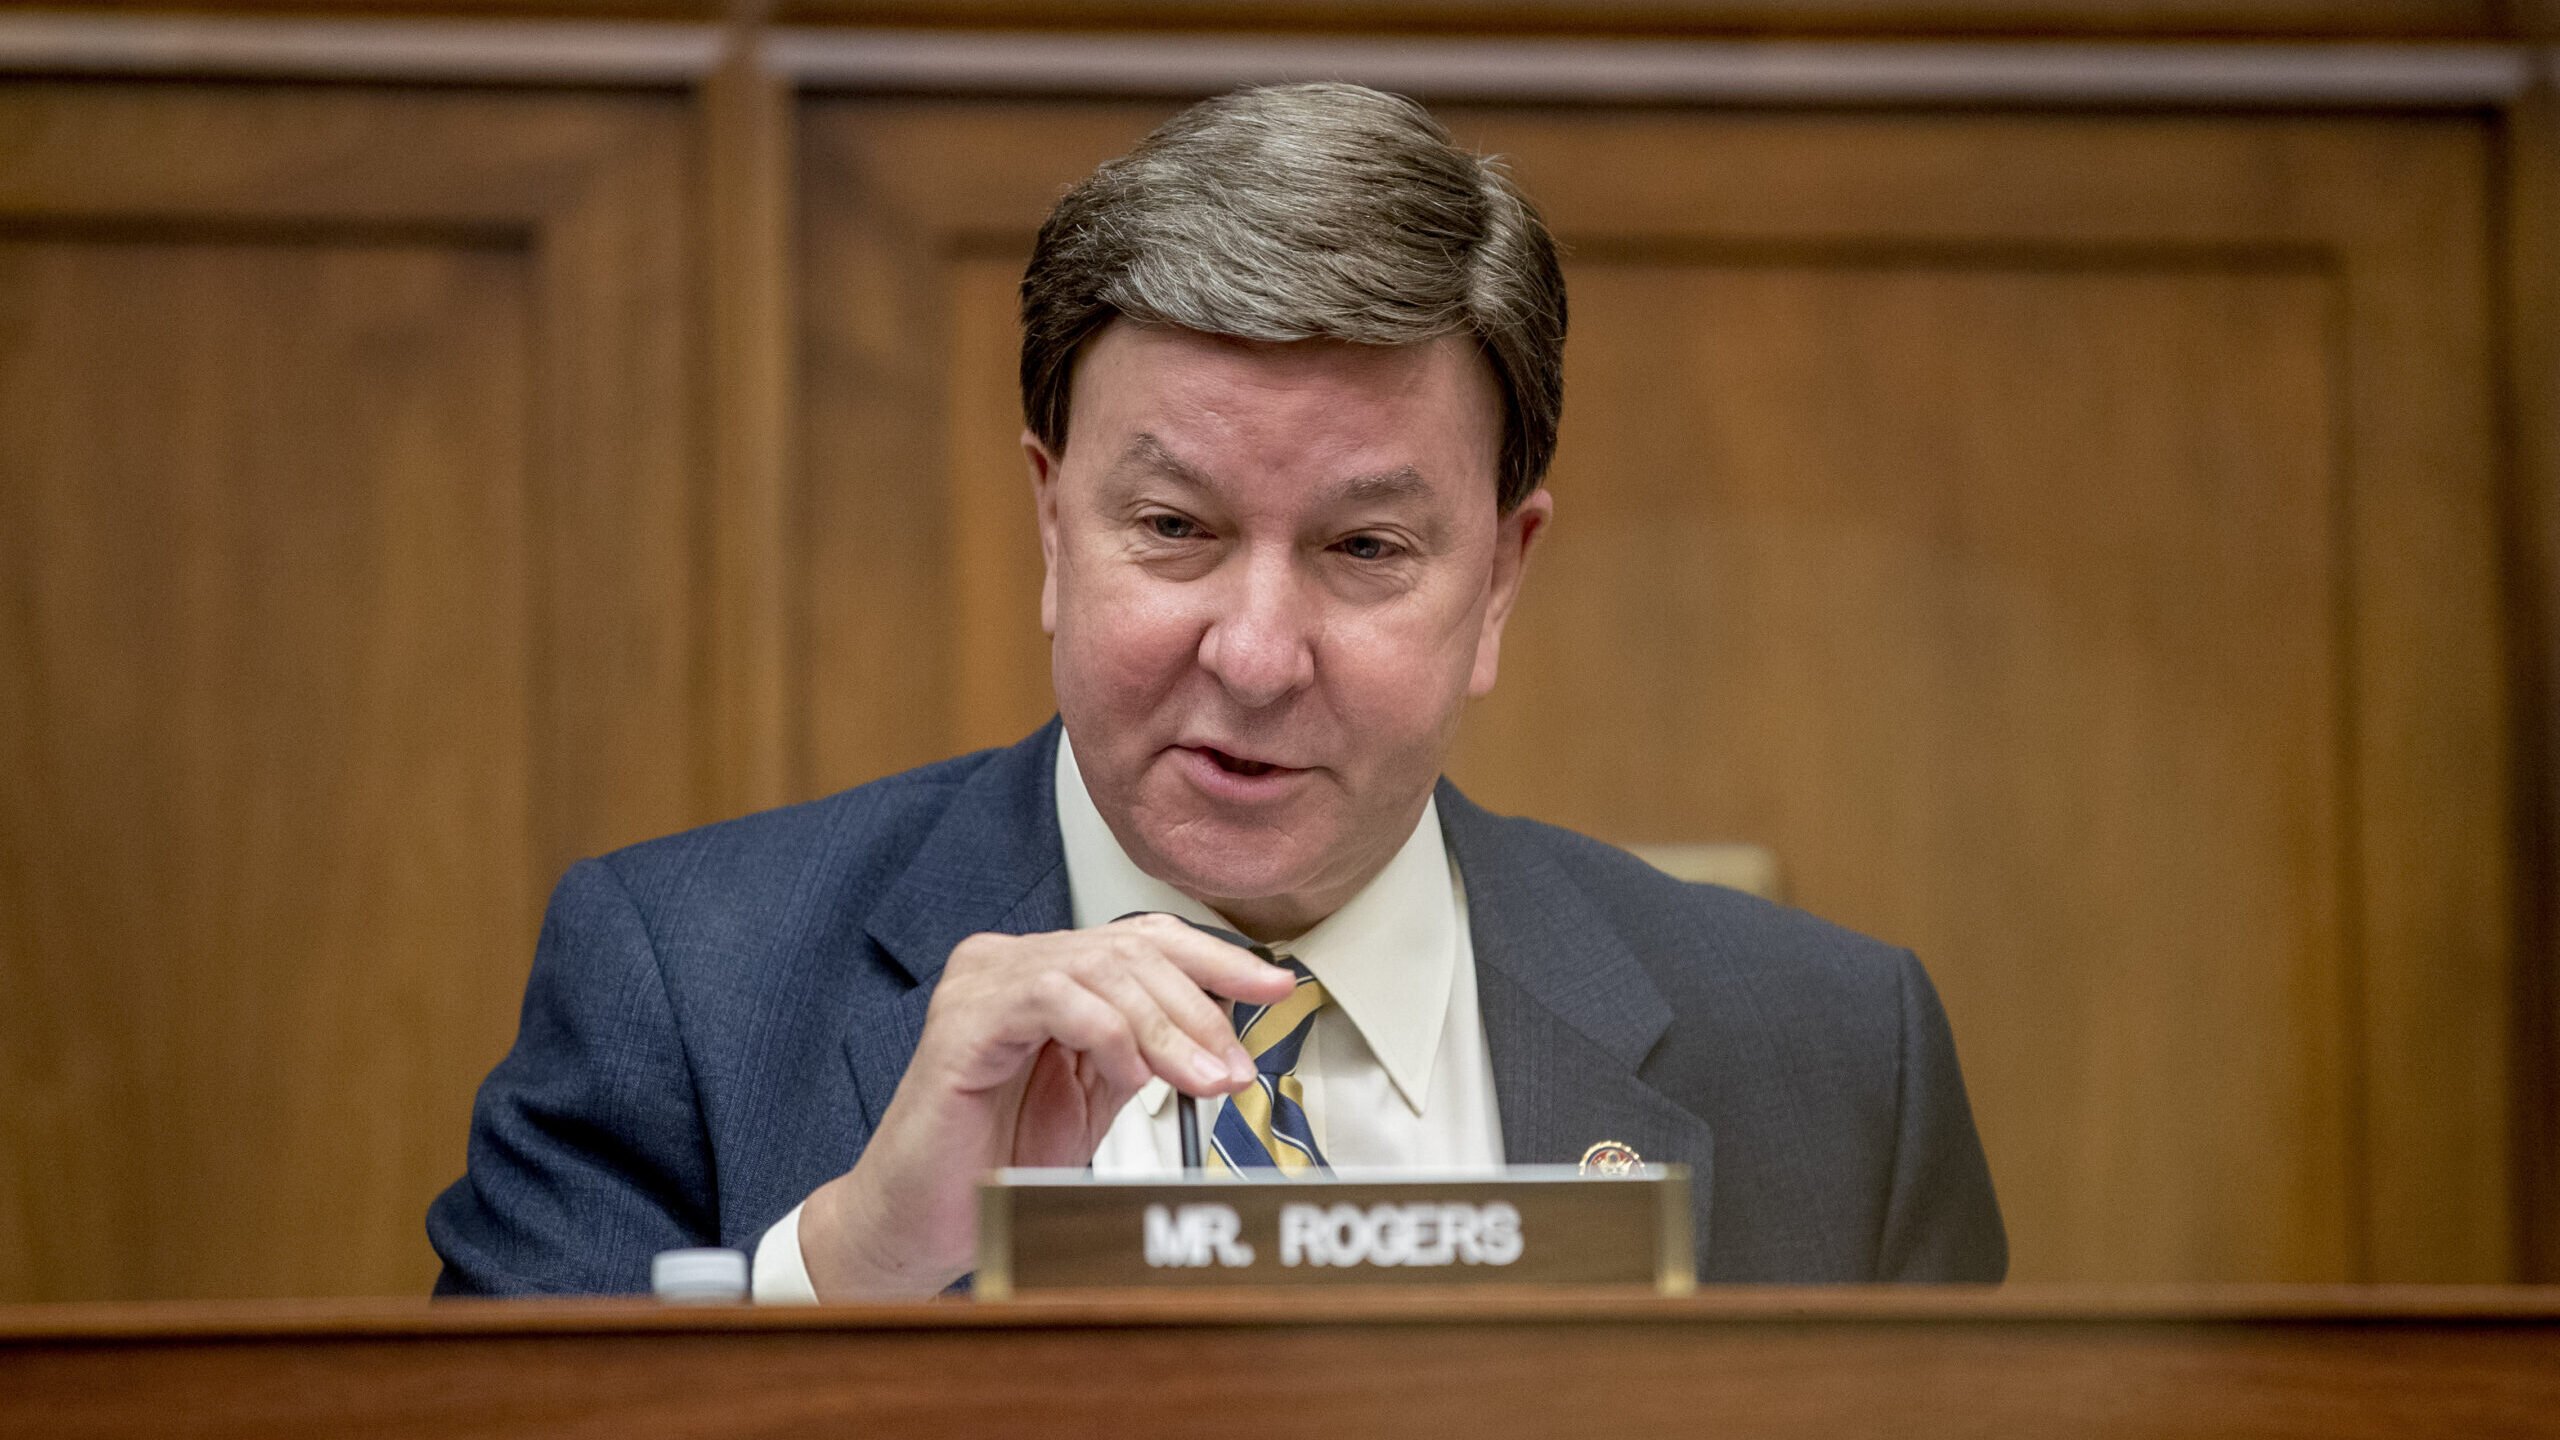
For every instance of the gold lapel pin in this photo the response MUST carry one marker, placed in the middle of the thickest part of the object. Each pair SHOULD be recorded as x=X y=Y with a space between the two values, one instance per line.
x=1610 y=1157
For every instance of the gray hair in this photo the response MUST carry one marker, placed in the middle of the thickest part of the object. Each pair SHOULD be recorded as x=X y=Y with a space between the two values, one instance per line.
x=1301 y=212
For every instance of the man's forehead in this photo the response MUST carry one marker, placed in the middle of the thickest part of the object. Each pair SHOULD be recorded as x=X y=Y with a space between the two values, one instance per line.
x=1377 y=423
x=1150 y=366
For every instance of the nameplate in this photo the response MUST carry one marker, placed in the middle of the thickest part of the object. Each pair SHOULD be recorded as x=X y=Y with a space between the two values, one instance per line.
x=1052 y=1231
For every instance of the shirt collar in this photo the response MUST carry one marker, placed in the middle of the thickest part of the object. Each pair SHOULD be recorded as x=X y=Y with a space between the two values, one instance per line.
x=1387 y=957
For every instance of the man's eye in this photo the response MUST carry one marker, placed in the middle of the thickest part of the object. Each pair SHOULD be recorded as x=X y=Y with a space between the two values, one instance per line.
x=1369 y=547
x=1171 y=527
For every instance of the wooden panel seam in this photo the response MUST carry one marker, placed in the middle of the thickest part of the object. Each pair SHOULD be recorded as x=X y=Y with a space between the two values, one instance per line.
x=468 y=51
x=1804 y=72
x=752 y=712
x=1448 y=66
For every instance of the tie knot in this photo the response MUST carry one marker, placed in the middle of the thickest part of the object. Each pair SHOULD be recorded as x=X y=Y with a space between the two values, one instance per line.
x=1276 y=1034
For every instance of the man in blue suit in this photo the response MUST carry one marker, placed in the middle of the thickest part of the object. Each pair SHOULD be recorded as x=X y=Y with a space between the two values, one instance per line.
x=1308 y=354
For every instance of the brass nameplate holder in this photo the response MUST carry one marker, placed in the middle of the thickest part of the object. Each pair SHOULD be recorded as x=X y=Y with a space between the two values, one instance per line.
x=1053 y=1231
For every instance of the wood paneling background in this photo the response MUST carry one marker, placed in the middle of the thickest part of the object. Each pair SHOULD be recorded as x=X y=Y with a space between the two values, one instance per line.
x=2533 y=558
x=346 y=505
x=2109 y=552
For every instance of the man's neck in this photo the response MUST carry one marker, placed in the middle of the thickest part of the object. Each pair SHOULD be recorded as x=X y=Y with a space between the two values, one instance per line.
x=1273 y=921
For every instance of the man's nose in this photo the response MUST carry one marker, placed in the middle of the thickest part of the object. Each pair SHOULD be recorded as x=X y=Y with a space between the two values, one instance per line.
x=1260 y=643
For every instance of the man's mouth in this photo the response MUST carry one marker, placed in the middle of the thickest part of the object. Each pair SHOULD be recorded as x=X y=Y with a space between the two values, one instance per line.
x=1228 y=778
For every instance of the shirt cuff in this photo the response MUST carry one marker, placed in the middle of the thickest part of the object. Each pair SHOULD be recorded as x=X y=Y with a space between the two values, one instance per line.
x=781 y=1276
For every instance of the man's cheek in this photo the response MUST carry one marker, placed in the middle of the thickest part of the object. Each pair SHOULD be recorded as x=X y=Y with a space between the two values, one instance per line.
x=1134 y=653
x=1395 y=674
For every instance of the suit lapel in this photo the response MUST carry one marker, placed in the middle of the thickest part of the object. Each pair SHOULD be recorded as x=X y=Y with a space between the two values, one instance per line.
x=1569 y=1013
x=993 y=862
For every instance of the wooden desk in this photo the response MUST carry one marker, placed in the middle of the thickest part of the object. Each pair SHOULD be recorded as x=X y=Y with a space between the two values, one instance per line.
x=2019 y=1361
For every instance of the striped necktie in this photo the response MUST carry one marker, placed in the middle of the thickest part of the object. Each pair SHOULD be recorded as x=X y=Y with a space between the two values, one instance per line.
x=1267 y=1125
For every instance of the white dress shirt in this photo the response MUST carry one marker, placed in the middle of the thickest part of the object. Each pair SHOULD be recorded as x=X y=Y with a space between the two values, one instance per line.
x=1395 y=1074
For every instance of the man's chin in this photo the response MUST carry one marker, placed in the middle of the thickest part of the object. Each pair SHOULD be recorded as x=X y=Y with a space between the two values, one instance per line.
x=1244 y=866
x=1226 y=888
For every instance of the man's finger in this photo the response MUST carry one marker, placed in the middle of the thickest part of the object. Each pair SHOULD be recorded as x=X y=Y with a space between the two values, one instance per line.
x=1062 y=1008
x=1206 y=1018
x=1191 y=1062
x=1213 y=964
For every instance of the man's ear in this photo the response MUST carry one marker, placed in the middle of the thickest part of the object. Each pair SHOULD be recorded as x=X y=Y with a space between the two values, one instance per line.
x=1512 y=538
x=1044 y=501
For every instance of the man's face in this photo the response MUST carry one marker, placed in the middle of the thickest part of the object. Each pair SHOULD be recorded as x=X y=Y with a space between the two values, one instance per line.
x=1275 y=575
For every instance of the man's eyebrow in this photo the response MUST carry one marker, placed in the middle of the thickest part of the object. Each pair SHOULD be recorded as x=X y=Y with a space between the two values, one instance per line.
x=1146 y=452
x=1402 y=483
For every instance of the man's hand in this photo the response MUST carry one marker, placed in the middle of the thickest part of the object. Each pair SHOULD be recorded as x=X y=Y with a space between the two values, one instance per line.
x=1031 y=1046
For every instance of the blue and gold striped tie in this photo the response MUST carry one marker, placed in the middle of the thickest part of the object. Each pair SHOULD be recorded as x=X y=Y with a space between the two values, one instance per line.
x=1266 y=1126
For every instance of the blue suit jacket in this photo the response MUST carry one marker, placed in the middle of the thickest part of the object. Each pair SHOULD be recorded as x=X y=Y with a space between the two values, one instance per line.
x=716 y=1020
